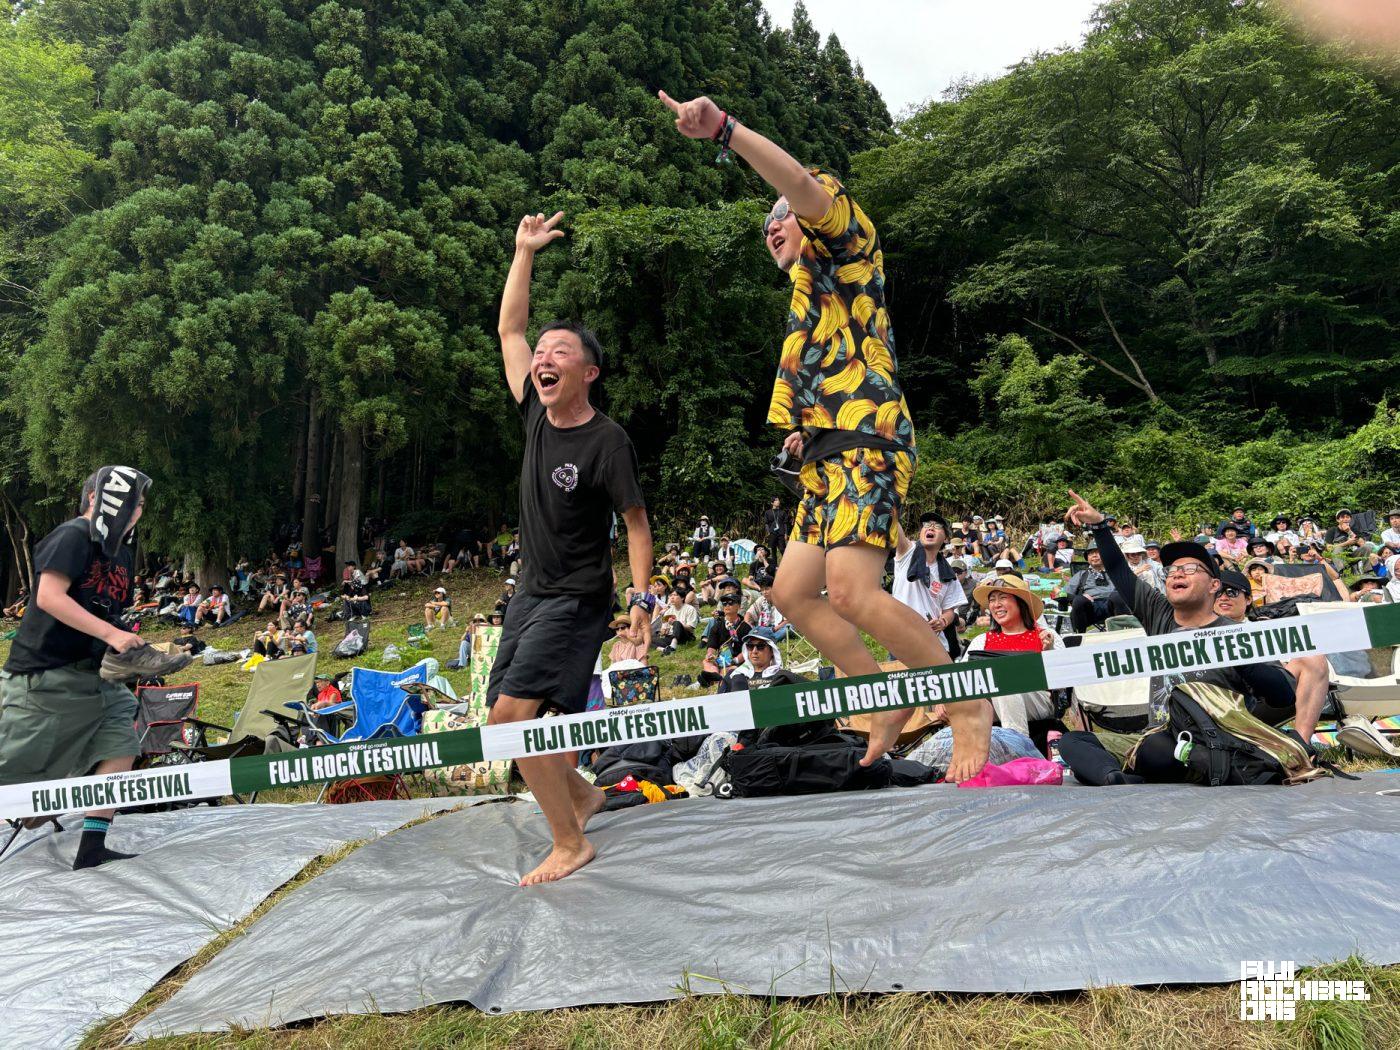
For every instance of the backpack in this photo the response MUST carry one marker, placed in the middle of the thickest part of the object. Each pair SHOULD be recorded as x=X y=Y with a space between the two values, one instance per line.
x=755 y=772
x=1231 y=746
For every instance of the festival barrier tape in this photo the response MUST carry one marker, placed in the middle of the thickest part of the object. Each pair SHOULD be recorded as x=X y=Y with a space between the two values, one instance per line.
x=1137 y=657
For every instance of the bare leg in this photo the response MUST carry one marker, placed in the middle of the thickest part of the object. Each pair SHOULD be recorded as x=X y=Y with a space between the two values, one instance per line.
x=853 y=581
x=797 y=592
x=548 y=777
x=110 y=765
x=1311 y=672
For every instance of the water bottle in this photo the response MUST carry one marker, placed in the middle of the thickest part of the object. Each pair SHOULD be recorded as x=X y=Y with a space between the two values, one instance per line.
x=1052 y=744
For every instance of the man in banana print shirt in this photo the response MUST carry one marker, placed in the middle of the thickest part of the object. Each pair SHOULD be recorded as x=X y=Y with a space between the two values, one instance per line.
x=838 y=394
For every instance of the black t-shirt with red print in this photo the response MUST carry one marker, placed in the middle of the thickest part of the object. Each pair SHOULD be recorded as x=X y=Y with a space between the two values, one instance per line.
x=99 y=585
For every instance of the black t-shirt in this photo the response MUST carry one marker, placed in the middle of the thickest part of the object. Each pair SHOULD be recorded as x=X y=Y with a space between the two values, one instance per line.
x=99 y=586
x=571 y=481
x=722 y=635
x=1337 y=534
x=1157 y=616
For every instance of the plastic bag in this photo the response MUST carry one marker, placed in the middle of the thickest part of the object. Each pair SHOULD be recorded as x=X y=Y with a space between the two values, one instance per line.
x=390 y=658
x=1018 y=772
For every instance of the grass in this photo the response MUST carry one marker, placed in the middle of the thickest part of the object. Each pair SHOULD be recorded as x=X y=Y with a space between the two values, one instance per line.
x=1147 y=1018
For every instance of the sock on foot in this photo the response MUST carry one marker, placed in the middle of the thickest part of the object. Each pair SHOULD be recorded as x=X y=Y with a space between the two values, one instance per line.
x=1120 y=777
x=92 y=847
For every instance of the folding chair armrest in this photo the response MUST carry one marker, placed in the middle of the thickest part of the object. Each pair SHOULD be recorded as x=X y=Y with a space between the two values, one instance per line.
x=208 y=725
x=334 y=709
x=280 y=718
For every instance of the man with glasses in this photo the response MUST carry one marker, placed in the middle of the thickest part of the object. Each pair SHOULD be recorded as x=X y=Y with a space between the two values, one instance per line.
x=762 y=666
x=837 y=395
x=1193 y=586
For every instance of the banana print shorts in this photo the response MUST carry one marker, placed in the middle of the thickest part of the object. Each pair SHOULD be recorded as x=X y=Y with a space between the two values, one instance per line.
x=853 y=497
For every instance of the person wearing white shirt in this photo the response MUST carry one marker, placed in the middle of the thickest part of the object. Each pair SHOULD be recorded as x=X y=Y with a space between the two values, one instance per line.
x=1144 y=568
x=917 y=576
x=1391 y=536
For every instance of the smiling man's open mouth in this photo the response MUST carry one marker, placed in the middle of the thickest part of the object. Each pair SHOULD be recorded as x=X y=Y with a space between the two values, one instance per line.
x=547 y=378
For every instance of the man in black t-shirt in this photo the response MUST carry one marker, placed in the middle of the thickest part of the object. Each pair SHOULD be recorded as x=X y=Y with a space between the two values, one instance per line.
x=579 y=467
x=63 y=707
x=1192 y=586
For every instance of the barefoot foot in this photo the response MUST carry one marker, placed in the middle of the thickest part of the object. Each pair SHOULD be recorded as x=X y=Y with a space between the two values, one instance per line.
x=971 y=722
x=593 y=805
x=559 y=863
x=884 y=731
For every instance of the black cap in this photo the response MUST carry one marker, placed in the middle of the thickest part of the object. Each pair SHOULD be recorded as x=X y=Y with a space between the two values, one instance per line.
x=1237 y=580
x=763 y=579
x=1260 y=541
x=1175 y=552
x=933 y=515
x=1280 y=518
x=1153 y=545
x=1344 y=510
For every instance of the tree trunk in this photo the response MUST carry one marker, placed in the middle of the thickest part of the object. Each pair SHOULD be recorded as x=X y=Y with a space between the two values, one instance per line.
x=352 y=476
x=299 y=474
x=17 y=528
x=311 y=506
x=379 y=495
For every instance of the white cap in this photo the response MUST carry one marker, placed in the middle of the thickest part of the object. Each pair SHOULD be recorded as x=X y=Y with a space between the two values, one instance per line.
x=1005 y=563
x=510 y=581
x=1133 y=545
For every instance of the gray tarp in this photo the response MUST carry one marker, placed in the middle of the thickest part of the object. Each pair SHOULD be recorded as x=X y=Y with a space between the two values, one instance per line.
x=78 y=947
x=932 y=888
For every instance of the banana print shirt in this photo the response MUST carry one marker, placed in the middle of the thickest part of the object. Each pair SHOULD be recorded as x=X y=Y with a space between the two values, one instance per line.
x=837 y=370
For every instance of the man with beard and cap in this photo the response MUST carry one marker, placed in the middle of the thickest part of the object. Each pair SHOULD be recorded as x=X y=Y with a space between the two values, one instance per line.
x=64 y=707
x=924 y=581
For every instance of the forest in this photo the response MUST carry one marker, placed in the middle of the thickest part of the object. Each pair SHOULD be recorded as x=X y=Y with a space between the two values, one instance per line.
x=255 y=248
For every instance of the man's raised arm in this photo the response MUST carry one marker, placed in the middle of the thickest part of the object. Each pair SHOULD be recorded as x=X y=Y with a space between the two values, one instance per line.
x=702 y=119
x=533 y=233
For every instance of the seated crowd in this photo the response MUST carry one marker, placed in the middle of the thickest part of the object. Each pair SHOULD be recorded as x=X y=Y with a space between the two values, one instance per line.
x=985 y=592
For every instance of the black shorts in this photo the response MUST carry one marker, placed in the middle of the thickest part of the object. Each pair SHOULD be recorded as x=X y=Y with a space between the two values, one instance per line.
x=1272 y=696
x=549 y=647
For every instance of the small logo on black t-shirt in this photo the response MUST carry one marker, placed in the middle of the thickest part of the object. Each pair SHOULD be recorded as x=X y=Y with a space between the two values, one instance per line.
x=566 y=477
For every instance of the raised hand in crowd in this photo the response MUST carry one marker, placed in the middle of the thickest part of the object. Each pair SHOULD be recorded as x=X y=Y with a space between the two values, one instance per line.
x=1083 y=512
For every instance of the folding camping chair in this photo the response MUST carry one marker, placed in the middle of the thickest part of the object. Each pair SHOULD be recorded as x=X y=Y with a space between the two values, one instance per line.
x=165 y=717
x=1360 y=700
x=799 y=655
x=1119 y=707
x=633 y=685
x=270 y=717
x=378 y=708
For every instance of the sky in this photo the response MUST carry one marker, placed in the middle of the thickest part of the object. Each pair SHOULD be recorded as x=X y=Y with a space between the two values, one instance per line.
x=913 y=49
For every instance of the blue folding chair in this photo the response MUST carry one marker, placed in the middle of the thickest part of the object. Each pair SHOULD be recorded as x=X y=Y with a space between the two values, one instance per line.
x=380 y=707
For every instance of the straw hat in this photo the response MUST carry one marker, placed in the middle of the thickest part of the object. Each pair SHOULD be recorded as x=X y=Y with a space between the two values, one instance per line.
x=1258 y=561
x=1016 y=587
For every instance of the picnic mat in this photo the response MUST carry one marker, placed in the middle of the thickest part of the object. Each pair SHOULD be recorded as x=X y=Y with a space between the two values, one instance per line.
x=932 y=888
x=83 y=946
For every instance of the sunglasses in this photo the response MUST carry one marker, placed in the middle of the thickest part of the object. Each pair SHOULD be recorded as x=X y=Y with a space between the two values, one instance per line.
x=778 y=214
x=1231 y=592
x=1189 y=569
x=756 y=644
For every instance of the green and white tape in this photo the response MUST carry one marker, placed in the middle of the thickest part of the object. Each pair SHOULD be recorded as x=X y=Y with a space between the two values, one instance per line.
x=1116 y=660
